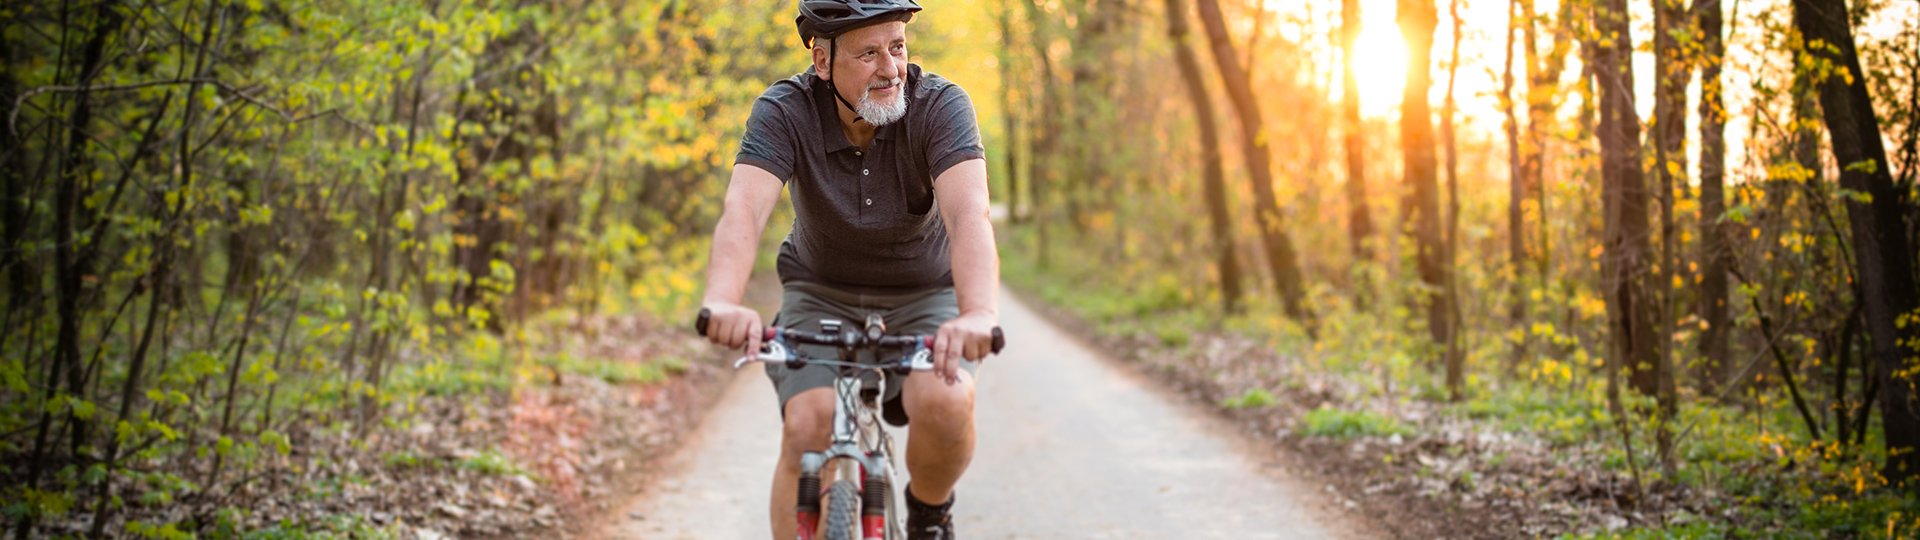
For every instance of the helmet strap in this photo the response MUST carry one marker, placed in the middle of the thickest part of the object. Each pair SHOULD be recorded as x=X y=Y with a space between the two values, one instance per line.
x=833 y=49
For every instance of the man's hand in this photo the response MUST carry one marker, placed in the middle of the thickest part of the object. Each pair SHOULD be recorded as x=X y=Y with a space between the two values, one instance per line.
x=968 y=336
x=734 y=326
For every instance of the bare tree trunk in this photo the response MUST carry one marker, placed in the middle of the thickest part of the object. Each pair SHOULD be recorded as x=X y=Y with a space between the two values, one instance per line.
x=1456 y=359
x=1670 y=137
x=1228 y=263
x=1417 y=20
x=1046 y=137
x=1714 y=250
x=1628 y=242
x=1516 y=194
x=1280 y=255
x=1011 y=120
x=1359 y=220
x=1883 y=253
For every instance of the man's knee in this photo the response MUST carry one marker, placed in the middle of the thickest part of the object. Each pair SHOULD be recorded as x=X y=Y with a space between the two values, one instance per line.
x=809 y=422
x=932 y=402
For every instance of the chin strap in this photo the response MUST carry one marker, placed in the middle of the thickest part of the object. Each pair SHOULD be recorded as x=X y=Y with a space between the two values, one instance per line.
x=833 y=49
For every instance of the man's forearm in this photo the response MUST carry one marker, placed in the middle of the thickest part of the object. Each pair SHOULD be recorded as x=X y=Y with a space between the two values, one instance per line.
x=735 y=239
x=976 y=265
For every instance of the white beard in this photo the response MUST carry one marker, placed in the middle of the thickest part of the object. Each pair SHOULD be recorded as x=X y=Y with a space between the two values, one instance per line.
x=880 y=114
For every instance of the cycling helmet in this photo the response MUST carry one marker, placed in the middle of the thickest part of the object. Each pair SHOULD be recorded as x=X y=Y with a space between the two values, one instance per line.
x=830 y=18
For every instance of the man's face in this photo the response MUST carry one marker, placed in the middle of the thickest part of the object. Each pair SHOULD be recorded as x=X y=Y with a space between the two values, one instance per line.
x=871 y=71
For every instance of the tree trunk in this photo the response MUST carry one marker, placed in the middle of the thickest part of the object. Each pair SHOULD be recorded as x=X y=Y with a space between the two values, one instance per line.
x=1883 y=254
x=1714 y=251
x=1670 y=138
x=1228 y=262
x=1046 y=137
x=1627 y=241
x=1280 y=255
x=1417 y=20
x=1359 y=220
x=1010 y=120
x=1516 y=191
x=1455 y=357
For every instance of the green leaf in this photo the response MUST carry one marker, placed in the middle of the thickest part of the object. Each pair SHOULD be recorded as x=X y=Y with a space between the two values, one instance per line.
x=1864 y=166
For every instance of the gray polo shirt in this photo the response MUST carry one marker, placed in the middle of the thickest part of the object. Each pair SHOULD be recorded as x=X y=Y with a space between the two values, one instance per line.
x=864 y=218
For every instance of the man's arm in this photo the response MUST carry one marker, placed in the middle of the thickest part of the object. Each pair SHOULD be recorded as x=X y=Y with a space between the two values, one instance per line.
x=751 y=196
x=961 y=192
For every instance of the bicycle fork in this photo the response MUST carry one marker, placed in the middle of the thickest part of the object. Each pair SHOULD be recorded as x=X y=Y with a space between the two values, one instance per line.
x=870 y=469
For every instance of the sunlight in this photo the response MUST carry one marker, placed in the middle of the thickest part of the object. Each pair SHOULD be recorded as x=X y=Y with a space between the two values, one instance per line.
x=1380 y=61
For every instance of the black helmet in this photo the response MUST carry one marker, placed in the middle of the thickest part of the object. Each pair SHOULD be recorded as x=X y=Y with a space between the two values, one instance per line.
x=830 y=18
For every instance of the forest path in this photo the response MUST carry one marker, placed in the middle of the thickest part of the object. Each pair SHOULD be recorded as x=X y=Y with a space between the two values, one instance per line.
x=1070 y=445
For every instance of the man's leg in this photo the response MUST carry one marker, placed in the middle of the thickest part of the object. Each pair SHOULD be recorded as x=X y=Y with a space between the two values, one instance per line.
x=940 y=436
x=809 y=426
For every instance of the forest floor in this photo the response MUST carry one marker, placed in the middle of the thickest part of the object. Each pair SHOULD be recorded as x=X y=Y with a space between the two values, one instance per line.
x=549 y=456
x=1405 y=466
x=535 y=458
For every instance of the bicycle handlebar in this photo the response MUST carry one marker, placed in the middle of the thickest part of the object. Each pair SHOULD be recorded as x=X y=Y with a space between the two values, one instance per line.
x=847 y=340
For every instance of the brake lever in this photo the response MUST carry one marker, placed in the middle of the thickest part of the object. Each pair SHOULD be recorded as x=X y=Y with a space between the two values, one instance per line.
x=771 y=351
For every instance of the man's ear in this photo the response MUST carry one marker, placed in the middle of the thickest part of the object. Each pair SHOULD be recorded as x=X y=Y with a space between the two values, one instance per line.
x=822 y=65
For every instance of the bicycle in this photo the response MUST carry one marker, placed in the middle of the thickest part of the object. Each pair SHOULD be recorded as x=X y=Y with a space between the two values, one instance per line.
x=858 y=461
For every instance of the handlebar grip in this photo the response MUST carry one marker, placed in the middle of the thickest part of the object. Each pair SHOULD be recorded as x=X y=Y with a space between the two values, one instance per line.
x=999 y=340
x=700 y=323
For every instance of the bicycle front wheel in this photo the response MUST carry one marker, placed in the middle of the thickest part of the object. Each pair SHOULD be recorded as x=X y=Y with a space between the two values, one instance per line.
x=843 y=511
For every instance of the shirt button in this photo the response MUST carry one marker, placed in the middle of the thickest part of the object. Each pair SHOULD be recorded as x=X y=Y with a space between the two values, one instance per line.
x=869 y=202
x=856 y=152
x=863 y=172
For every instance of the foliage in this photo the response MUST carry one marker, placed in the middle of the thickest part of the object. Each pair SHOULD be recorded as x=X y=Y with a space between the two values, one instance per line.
x=233 y=227
x=1133 y=258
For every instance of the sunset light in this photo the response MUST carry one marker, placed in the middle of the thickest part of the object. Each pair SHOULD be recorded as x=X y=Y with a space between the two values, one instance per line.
x=1380 y=66
x=1380 y=59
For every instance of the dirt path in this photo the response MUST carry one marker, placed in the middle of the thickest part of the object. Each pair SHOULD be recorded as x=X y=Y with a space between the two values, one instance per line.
x=1070 y=446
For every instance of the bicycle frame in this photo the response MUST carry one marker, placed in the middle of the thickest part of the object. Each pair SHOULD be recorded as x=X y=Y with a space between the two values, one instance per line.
x=860 y=450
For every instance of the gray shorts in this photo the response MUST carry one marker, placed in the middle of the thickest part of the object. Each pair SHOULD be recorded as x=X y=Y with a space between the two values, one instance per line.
x=804 y=304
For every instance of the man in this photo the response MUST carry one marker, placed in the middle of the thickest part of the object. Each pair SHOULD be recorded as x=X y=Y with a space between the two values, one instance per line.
x=889 y=186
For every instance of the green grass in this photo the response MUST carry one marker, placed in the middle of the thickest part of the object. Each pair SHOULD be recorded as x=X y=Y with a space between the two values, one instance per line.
x=492 y=463
x=1339 y=424
x=1253 y=399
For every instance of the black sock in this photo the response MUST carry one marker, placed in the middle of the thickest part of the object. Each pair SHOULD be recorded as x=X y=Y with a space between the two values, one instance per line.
x=914 y=502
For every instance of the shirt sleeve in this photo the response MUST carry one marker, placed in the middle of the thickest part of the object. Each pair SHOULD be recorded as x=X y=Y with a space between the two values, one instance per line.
x=768 y=142
x=954 y=135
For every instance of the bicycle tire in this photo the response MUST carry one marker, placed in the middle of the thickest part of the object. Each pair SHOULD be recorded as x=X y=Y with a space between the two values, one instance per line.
x=843 y=511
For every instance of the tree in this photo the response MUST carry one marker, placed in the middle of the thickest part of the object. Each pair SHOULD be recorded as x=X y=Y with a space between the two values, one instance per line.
x=1455 y=357
x=1714 y=252
x=1227 y=262
x=1281 y=259
x=1883 y=253
x=1359 y=222
x=1627 y=242
x=1670 y=137
x=1417 y=20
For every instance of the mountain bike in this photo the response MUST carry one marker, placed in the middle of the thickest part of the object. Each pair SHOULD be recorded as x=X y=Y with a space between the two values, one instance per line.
x=858 y=465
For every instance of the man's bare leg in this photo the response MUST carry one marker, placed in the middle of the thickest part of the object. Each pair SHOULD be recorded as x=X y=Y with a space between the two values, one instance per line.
x=809 y=426
x=940 y=435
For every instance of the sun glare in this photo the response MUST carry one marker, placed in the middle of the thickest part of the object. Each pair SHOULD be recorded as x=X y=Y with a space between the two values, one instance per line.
x=1380 y=66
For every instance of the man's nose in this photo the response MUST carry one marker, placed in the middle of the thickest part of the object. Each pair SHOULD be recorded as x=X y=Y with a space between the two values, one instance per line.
x=888 y=68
